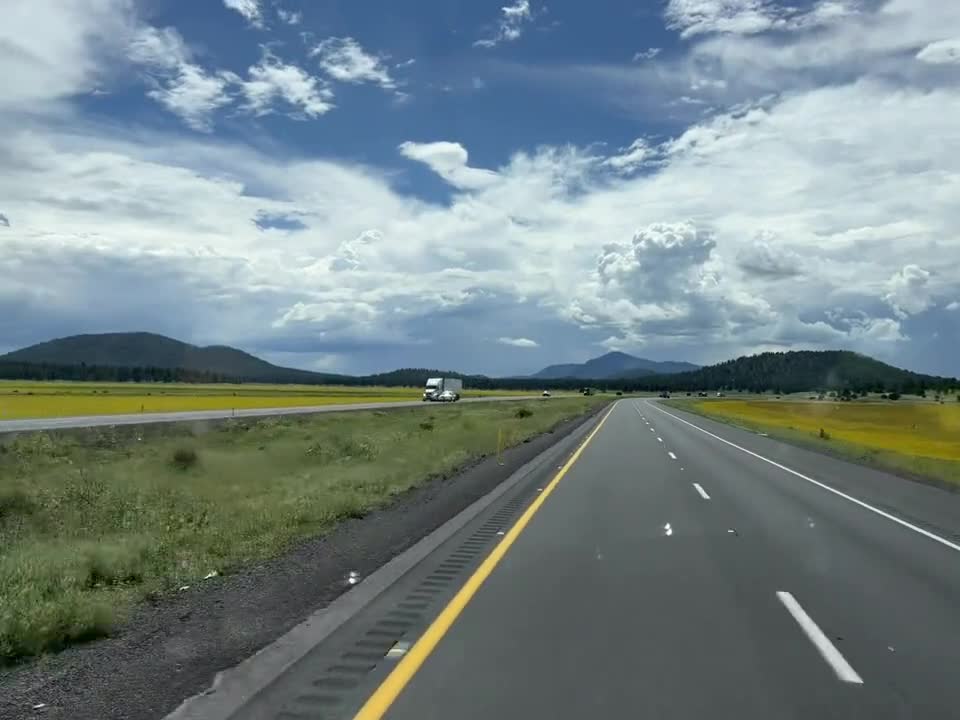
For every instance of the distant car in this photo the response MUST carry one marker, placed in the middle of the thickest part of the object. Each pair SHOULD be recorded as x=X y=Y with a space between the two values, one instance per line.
x=447 y=396
x=546 y=393
x=664 y=394
x=701 y=394
x=719 y=394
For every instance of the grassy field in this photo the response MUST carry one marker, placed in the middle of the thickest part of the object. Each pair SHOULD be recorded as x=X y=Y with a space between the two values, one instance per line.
x=921 y=438
x=95 y=520
x=22 y=400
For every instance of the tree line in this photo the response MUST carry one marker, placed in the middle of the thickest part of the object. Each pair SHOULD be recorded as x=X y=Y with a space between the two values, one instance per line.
x=799 y=371
x=106 y=373
x=786 y=372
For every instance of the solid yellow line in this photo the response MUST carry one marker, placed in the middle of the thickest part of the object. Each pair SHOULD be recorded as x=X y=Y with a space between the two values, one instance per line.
x=385 y=695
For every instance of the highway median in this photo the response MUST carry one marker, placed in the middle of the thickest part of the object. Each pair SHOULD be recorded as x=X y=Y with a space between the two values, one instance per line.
x=94 y=522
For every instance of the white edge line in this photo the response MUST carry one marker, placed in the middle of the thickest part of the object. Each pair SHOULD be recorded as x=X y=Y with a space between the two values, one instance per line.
x=861 y=503
x=672 y=456
x=827 y=649
x=703 y=493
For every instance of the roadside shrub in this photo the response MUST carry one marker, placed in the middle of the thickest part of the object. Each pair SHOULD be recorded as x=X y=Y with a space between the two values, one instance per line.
x=184 y=458
x=893 y=396
x=426 y=425
x=358 y=447
x=344 y=448
x=318 y=450
x=523 y=412
x=824 y=435
x=15 y=502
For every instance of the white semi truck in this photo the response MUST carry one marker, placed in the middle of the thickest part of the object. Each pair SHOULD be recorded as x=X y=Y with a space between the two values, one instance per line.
x=443 y=389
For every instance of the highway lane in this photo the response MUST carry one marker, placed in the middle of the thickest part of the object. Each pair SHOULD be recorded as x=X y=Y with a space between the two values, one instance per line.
x=670 y=574
x=14 y=426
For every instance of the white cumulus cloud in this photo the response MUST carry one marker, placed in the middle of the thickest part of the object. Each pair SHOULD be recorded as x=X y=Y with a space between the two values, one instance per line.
x=52 y=50
x=345 y=60
x=909 y=290
x=693 y=17
x=250 y=9
x=183 y=87
x=271 y=80
x=350 y=254
x=195 y=94
x=449 y=161
x=511 y=24
x=519 y=342
x=290 y=17
x=161 y=48
x=647 y=54
x=631 y=158
x=766 y=257
x=941 y=52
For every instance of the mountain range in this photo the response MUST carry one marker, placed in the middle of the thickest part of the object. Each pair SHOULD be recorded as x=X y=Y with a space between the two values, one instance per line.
x=613 y=365
x=148 y=350
x=146 y=356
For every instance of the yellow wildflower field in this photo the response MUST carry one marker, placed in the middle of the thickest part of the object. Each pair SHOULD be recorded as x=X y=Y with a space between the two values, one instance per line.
x=928 y=429
x=22 y=400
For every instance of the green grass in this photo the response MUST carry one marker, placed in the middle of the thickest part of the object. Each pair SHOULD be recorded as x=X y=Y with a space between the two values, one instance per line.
x=876 y=448
x=95 y=520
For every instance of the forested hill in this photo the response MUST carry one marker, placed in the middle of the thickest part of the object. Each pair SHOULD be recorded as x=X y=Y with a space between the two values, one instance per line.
x=144 y=357
x=406 y=377
x=147 y=356
x=798 y=371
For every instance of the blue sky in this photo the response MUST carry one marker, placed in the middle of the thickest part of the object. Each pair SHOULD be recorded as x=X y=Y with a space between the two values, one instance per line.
x=486 y=186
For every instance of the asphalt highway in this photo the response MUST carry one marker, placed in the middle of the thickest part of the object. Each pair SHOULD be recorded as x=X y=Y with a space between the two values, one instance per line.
x=12 y=426
x=678 y=568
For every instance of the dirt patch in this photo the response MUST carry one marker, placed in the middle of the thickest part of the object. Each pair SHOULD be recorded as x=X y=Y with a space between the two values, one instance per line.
x=172 y=647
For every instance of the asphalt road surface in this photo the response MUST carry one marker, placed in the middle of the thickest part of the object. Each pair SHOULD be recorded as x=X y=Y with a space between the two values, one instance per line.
x=10 y=426
x=673 y=568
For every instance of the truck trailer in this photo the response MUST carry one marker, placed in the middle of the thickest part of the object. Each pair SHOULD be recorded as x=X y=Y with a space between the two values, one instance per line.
x=443 y=389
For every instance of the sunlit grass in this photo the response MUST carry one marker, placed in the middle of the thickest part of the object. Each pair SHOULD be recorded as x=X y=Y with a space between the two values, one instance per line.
x=917 y=437
x=22 y=400
x=94 y=520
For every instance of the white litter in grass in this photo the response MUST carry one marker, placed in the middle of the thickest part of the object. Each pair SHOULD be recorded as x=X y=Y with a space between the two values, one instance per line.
x=353 y=578
x=211 y=574
x=183 y=587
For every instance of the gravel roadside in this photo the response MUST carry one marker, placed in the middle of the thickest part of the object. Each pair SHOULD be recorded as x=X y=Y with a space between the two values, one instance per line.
x=172 y=649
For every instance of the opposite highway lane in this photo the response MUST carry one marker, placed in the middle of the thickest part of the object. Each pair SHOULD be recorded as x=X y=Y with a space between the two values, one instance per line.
x=12 y=426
